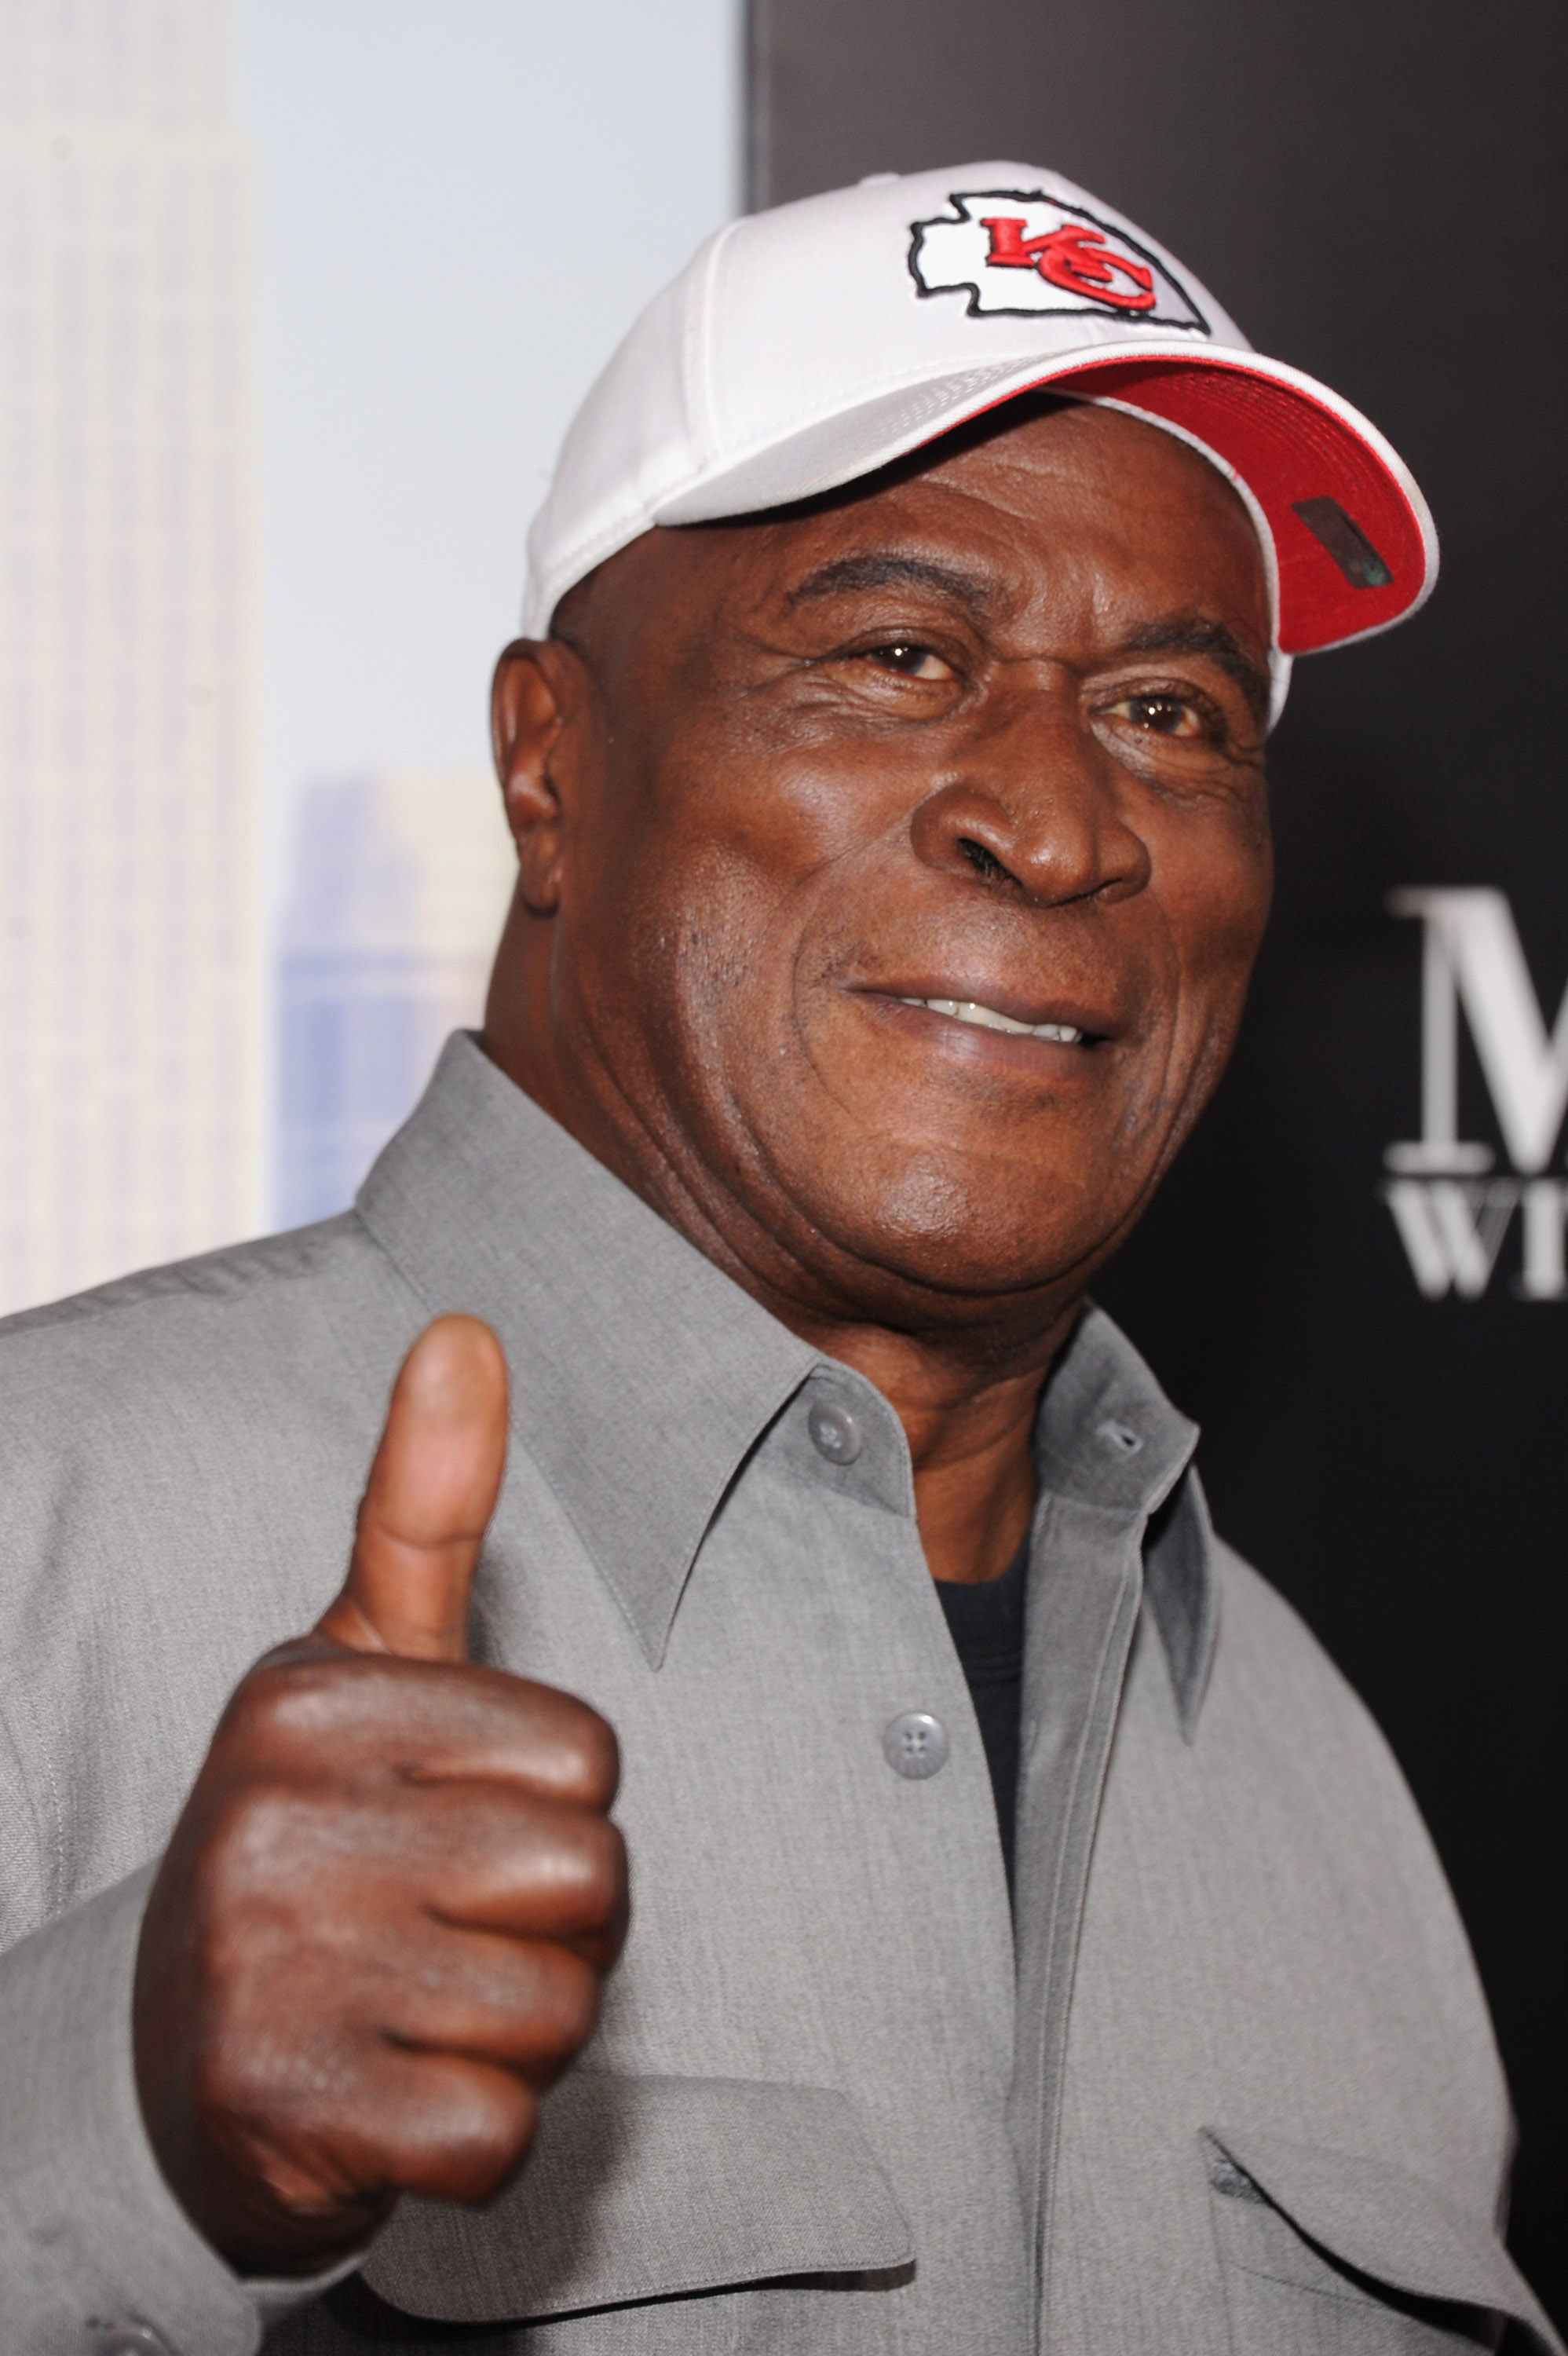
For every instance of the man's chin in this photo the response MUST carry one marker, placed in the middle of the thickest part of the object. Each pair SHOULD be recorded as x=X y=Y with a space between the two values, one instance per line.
x=921 y=1243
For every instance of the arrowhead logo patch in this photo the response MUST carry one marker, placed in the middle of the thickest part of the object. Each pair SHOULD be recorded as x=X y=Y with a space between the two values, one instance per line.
x=1013 y=251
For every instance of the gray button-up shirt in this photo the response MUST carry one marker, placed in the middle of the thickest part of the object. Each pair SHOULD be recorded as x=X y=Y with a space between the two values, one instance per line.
x=1237 y=2063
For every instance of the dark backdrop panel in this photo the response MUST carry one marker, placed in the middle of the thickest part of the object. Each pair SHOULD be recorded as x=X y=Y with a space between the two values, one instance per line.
x=1379 y=190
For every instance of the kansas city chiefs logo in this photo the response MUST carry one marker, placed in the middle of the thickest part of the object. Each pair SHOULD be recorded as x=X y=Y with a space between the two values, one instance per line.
x=1010 y=251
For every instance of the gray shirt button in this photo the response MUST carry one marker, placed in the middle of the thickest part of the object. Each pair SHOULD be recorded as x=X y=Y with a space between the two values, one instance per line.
x=131 y=2340
x=915 y=1744
x=835 y=1432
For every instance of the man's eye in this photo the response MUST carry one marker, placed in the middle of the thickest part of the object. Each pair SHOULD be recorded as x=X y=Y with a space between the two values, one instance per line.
x=1165 y=715
x=911 y=661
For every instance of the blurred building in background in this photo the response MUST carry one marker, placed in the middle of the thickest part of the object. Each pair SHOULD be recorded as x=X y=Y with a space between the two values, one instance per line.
x=400 y=885
x=391 y=424
x=129 y=985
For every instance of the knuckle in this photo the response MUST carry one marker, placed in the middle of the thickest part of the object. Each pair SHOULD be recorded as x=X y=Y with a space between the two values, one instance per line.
x=304 y=1709
x=594 y=1756
x=282 y=1703
x=489 y=2125
x=253 y=1709
x=572 y=2007
x=603 y=1857
x=573 y=1750
x=217 y=2077
x=277 y=1870
x=254 y=1830
x=238 y=2068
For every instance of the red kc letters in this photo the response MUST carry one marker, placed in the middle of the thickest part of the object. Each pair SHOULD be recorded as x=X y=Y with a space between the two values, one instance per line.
x=1074 y=257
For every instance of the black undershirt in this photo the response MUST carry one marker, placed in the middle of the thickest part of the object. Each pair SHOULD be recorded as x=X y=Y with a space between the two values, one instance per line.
x=987 y=1624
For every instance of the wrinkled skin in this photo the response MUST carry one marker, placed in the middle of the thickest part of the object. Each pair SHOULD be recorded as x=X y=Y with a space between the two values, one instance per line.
x=989 y=729
x=992 y=731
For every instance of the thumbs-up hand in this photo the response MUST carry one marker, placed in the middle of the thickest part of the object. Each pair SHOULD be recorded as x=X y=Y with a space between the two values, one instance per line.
x=428 y=1503
x=379 y=1928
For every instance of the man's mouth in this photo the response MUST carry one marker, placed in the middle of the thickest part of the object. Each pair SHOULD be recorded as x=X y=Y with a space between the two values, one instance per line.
x=987 y=1018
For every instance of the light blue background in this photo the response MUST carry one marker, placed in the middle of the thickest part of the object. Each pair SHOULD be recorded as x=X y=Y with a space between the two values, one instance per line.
x=417 y=365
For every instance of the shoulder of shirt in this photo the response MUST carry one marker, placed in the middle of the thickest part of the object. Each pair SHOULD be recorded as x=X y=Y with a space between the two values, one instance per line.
x=1265 y=1643
x=224 y=1274
x=1276 y=1688
x=191 y=1315
x=1297 y=1751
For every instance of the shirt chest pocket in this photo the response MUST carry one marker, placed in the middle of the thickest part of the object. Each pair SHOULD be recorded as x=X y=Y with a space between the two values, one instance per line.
x=1324 y=2254
x=642 y=2188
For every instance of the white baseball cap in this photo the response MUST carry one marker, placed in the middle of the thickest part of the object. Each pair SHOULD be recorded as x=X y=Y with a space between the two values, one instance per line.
x=805 y=347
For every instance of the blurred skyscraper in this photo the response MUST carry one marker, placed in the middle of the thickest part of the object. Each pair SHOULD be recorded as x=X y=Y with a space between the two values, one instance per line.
x=128 y=985
x=400 y=885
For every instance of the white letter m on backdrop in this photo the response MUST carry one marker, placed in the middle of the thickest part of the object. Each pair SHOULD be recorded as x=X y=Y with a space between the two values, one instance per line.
x=1451 y=1224
x=1473 y=958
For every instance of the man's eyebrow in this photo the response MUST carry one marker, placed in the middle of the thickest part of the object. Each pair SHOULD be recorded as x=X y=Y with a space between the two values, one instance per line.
x=1186 y=633
x=887 y=569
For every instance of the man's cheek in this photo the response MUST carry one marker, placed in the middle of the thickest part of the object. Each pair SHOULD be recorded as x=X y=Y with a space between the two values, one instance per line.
x=721 y=1005
x=1218 y=913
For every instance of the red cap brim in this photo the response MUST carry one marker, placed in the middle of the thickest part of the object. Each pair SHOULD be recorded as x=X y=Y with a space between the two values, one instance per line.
x=1353 y=540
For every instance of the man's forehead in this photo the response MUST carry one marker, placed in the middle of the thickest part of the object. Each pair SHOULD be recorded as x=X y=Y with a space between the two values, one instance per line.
x=947 y=518
x=1143 y=533
x=1197 y=575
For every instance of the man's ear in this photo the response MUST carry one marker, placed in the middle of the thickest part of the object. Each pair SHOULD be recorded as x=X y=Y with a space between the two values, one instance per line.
x=541 y=690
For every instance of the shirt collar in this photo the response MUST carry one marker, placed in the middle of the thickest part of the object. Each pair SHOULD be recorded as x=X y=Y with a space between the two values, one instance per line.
x=643 y=1376
x=1108 y=1436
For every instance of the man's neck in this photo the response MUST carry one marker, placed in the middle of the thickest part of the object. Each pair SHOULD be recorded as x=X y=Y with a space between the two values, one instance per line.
x=971 y=1442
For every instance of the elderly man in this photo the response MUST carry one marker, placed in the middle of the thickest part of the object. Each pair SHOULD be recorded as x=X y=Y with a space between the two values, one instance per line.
x=1033 y=1945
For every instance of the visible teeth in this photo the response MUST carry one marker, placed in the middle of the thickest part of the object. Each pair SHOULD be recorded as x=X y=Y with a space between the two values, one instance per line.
x=985 y=1018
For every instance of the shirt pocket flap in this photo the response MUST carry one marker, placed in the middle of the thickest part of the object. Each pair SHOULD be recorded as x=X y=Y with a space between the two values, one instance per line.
x=1296 y=2219
x=641 y=2188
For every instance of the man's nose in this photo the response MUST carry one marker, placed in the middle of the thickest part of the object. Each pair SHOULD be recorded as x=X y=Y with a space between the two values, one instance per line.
x=1036 y=798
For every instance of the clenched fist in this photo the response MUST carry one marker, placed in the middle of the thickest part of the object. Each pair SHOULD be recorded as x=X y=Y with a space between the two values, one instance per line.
x=381 y=1927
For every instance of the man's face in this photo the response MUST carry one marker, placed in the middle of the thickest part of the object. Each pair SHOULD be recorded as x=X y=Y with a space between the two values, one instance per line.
x=848 y=795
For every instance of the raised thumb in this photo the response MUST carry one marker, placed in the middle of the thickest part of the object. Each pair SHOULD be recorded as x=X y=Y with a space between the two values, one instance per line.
x=431 y=1490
